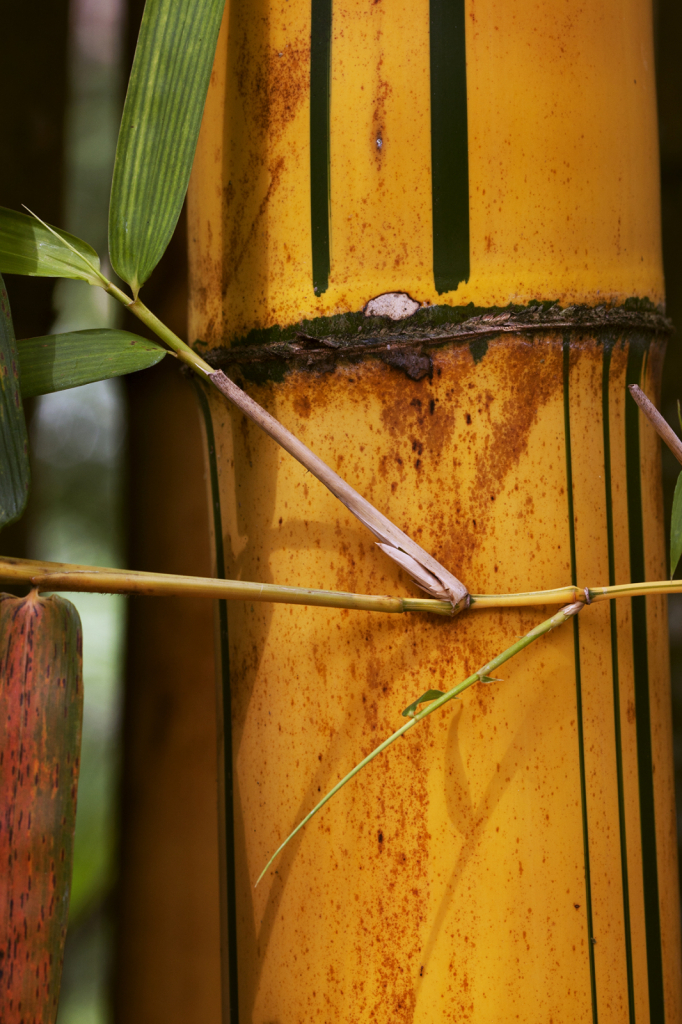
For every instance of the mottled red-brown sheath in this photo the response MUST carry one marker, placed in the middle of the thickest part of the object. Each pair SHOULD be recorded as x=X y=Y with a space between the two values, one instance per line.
x=41 y=708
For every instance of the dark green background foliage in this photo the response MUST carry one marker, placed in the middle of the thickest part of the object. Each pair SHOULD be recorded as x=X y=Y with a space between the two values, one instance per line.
x=14 y=471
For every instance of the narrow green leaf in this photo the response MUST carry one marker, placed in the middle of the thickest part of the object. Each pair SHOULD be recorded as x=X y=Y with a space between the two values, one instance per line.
x=676 y=527
x=679 y=413
x=411 y=709
x=159 y=131
x=28 y=247
x=14 y=469
x=61 y=361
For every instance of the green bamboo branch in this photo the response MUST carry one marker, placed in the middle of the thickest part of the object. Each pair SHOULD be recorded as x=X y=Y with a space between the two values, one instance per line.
x=483 y=675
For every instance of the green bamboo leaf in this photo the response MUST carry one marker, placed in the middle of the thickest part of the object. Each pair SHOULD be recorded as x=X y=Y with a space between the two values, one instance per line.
x=676 y=527
x=159 y=131
x=411 y=709
x=61 y=361
x=29 y=247
x=14 y=469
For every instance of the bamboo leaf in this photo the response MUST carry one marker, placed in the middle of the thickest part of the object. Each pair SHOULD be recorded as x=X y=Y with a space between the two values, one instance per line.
x=411 y=709
x=29 y=247
x=676 y=527
x=14 y=468
x=61 y=361
x=159 y=131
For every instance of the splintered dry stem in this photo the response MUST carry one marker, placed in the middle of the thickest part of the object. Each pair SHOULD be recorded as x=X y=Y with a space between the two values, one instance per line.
x=483 y=674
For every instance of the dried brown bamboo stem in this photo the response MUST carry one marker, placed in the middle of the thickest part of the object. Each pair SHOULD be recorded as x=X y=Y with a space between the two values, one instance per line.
x=427 y=573
x=660 y=425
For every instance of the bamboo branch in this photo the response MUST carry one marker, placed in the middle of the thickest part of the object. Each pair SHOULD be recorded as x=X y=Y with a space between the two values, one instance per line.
x=94 y=579
x=563 y=594
x=483 y=673
x=660 y=425
x=102 y=580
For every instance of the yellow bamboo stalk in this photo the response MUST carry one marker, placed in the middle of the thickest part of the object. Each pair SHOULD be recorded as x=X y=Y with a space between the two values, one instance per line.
x=521 y=845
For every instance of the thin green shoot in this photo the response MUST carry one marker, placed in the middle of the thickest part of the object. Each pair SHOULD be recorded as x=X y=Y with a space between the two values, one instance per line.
x=541 y=630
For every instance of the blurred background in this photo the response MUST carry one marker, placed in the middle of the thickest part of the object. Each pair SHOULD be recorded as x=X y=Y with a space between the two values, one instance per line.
x=78 y=437
x=117 y=479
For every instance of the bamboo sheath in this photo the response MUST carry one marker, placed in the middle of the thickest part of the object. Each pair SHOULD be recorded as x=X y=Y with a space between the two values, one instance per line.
x=514 y=856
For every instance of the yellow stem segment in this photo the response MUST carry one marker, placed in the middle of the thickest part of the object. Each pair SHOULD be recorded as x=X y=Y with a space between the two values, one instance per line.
x=96 y=579
x=65 y=576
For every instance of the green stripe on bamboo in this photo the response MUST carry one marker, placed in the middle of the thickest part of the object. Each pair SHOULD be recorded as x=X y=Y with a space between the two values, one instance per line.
x=320 y=87
x=449 y=144
x=615 y=671
x=578 y=679
x=637 y=352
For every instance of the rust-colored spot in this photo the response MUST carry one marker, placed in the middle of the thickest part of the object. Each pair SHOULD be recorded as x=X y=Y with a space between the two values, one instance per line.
x=302 y=406
x=378 y=138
